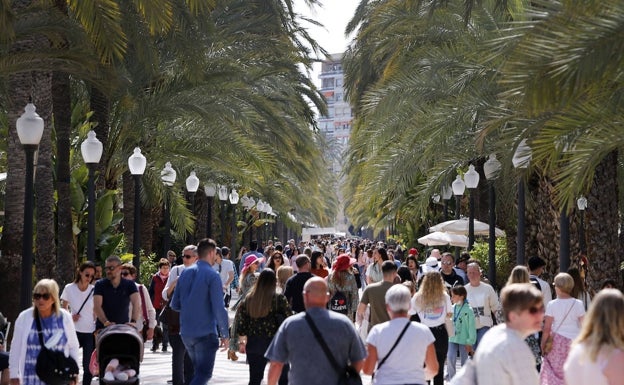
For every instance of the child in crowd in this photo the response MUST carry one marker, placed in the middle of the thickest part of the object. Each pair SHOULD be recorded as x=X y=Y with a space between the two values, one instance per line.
x=465 y=330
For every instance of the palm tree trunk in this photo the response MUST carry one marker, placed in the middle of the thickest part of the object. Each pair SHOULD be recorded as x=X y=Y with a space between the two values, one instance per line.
x=21 y=87
x=601 y=225
x=100 y=104
x=45 y=242
x=66 y=259
x=61 y=99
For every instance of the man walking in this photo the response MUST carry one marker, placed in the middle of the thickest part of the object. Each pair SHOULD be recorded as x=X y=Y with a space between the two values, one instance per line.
x=225 y=268
x=536 y=268
x=294 y=286
x=181 y=365
x=295 y=342
x=198 y=297
x=375 y=296
x=112 y=297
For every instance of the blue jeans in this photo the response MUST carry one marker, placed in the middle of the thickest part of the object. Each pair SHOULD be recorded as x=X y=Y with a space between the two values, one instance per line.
x=202 y=351
x=480 y=333
x=451 y=358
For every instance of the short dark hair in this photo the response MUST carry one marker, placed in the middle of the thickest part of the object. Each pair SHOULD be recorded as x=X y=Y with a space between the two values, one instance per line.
x=205 y=246
x=253 y=245
x=536 y=263
x=388 y=267
x=225 y=251
x=383 y=253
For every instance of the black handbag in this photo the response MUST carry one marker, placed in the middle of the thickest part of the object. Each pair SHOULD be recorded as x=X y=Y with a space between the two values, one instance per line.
x=52 y=366
x=348 y=375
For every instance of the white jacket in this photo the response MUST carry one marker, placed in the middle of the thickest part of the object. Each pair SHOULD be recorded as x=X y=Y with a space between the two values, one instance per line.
x=17 y=355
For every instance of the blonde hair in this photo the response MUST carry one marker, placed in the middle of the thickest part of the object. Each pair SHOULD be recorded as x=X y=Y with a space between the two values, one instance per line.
x=603 y=325
x=283 y=273
x=48 y=286
x=519 y=274
x=431 y=290
x=564 y=282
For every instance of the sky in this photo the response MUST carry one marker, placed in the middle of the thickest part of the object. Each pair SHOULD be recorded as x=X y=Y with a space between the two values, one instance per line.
x=334 y=15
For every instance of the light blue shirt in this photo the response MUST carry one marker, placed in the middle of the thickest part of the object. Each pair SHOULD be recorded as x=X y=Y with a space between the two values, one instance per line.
x=198 y=297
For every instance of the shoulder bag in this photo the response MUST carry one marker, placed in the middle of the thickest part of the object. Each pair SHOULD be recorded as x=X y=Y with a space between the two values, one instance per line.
x=85 y=301
x=548 y=345
x=52 y=367
x=393 y=346
x=348 y=375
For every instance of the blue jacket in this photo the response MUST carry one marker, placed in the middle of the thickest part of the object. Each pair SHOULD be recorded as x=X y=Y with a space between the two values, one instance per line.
x=198 y=297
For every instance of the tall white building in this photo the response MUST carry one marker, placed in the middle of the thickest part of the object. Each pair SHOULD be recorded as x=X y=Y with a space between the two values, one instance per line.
x=336 y=126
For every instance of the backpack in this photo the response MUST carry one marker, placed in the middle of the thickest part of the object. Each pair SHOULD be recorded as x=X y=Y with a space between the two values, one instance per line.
x=338 y=303
x=536 y=283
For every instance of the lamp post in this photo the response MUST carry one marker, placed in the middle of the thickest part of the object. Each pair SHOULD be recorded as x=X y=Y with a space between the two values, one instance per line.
x=581 y=203
x=29 y=130
x=447 y=193
x=472 y=181
x=192 y=185
x=234 y=201
x=260 y=208
x=168 y=176
x=223 y=196
x=436 y=199
x=458 y=187
x=211 y=190
x=491 y=169
x=91 y=150
x=564 y=240
x=137 y=164
x=268 y=211
x=520 y=160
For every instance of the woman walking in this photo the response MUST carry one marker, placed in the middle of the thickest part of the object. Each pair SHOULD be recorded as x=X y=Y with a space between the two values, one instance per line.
x=257 y=319
x=248 y=280
x=77 y=298
x=561 y=325
x=342 y=280
x=597 y=355
x=433 y=306
x=56 y=325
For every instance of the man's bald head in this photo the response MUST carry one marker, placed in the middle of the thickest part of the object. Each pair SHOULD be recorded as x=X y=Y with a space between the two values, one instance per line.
x=315 y=293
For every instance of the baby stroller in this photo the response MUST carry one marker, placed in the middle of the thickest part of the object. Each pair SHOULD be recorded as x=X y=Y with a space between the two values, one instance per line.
x=124 y=343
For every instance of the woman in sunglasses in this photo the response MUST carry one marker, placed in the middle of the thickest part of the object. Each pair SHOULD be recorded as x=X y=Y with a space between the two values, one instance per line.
x=57 y=329
x=77 y=298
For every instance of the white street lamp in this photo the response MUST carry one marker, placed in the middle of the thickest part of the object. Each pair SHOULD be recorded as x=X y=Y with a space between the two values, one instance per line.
x=29 y=130
x=168 y=176
x=91 y=150
x=137 y=164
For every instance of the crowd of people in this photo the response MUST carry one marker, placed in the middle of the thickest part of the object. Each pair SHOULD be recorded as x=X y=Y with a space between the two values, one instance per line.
x=387 y=312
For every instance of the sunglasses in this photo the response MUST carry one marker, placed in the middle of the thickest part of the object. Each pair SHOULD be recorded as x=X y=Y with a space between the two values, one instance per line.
x=88 y=275
x=125 y=273
x=534 y=309
x=188 y=256
x=111 y=268
x=45 y=296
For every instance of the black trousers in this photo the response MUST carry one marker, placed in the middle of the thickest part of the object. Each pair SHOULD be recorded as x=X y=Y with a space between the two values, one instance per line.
x=87 y=342
x=441 y=348
x=181 y=364
x=256 y=347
